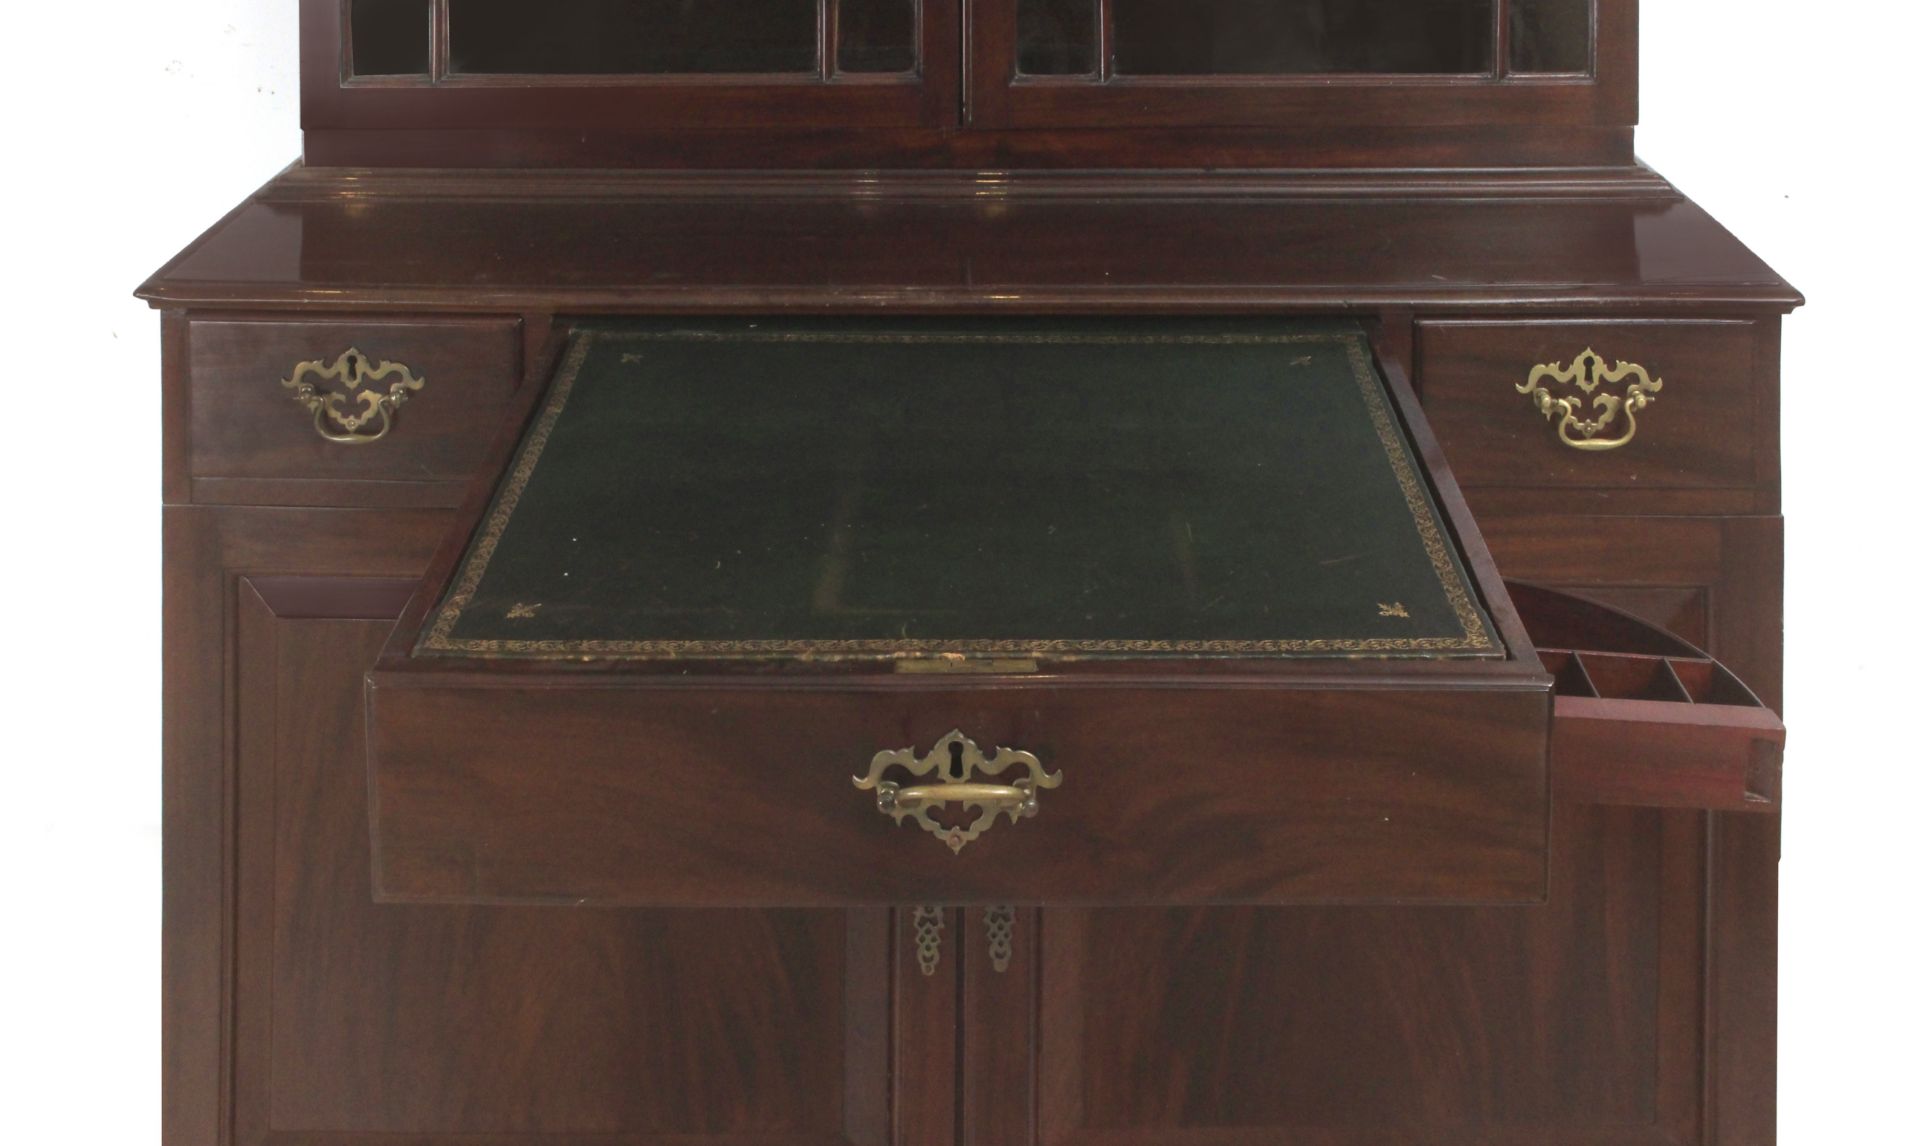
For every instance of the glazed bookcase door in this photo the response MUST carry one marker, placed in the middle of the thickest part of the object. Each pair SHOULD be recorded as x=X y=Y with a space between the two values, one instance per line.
x=628 y=66
x=1301 y=63
x=314 y=1014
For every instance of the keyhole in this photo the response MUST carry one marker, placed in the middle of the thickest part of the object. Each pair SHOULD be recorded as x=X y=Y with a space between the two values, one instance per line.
x=955 y=769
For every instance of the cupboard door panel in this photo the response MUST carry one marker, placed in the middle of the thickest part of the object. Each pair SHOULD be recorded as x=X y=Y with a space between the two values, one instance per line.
x=443 y=1020
x=1572 y=1022
x=449 y=1022
x=312 y=1014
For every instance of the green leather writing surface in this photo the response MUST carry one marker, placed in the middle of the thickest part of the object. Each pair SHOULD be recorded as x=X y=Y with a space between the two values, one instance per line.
x=1064 y=488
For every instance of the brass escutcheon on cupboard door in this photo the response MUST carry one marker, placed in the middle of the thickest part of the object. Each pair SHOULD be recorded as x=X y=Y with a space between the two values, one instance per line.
x=930 y=925
x=951 y=768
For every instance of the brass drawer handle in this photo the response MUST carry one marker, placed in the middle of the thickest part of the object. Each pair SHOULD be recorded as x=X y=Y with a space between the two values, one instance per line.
x=349 y=408
x=951 y=766
x=1589 y=372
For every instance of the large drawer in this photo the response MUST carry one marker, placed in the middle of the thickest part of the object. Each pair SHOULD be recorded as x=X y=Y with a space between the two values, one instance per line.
x=1042 y=612
x=639 y=792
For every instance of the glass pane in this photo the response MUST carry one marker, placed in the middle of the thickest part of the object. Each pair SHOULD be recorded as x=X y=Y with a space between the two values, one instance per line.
x=1293 y=37
x=878 y=36
x=390 y=37
x=1552 y=35
x=1059 y=37
x=616 y=37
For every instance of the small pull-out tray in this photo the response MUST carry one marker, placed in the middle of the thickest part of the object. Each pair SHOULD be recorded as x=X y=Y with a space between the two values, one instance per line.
x=1641 y=717
x=1042 y=611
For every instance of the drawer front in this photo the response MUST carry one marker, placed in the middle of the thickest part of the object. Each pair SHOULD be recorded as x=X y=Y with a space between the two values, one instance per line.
x=354 y=400
x=1643 y=718
x=690 y=796
x=1601 y=405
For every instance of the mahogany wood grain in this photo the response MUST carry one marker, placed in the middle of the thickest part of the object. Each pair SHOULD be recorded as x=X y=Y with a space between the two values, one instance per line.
x=508 y=781
x=1655 y=754
x=989 y=242
x=1000 y=1052
x=458 y=1023
x=176 y=409
x=1734 y=563
x=1664 y=727
x=245 y=425
x=616 y=792
x=612 y=144
x=1579 y=1021
x=1730 y=564
x=1742 y=979
x=1703 y=430
x=205 y=551
x=355 y=1022
x=1634 y=1007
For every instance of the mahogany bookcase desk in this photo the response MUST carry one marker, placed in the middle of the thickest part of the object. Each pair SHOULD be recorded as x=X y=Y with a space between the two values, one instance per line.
x=1096 y=572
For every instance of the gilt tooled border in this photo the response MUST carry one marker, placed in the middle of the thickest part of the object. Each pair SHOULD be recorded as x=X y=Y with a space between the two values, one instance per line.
x=1475 y=638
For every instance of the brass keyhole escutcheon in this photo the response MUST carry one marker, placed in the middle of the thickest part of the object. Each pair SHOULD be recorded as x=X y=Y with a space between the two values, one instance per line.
x=1604 y=409
x=347 y=406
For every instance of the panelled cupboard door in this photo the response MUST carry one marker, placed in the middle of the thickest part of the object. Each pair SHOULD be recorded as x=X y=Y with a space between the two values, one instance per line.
x=351 y=1022
x=1573 y=1022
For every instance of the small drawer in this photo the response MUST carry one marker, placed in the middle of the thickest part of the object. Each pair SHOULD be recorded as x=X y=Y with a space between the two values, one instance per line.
x=1603 y=405
x=1642 y=718
x=355 y=399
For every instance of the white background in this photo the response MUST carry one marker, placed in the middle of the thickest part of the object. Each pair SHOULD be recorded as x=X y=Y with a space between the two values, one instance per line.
x=131 y=126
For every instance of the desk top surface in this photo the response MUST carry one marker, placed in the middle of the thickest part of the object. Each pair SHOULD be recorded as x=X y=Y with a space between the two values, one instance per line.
x=1032 y=487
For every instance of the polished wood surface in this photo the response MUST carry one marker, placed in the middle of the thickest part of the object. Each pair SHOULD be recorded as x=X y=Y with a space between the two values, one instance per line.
x=247 y=427
x=304 y=589
x=1642 y=718
x=581 y=792
x=504 y=780
x=1617 y=241
x=362 y=1019
x=1704 y=430
x=1574 y=1022
x=351 y=1022
x=1299 y=146
x=1479 y=225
